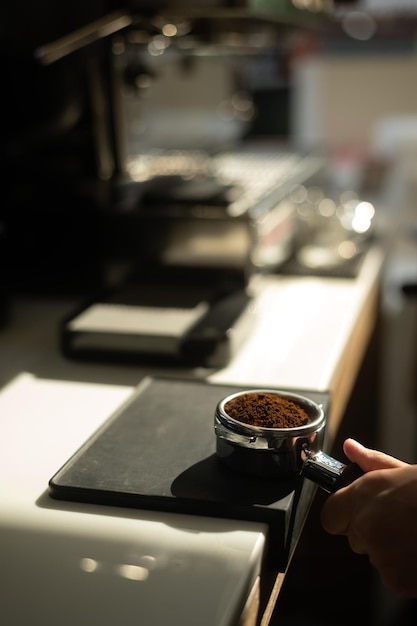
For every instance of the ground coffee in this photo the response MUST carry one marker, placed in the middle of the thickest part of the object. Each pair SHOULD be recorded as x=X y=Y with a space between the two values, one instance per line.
x=266 y=410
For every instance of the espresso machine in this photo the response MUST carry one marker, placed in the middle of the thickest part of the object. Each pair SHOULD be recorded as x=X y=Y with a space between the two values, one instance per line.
x=181 y=202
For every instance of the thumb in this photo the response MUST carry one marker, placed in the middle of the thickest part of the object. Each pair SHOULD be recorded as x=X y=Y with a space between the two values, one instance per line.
x=369 y=459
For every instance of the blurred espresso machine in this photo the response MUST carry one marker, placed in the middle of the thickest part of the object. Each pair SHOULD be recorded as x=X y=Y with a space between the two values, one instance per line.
x=182 y=199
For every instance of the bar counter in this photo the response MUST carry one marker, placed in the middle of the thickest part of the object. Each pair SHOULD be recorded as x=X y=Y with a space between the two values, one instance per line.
x=67 y=562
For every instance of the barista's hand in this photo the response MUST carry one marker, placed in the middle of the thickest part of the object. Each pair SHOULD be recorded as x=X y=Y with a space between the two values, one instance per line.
x=378 y=514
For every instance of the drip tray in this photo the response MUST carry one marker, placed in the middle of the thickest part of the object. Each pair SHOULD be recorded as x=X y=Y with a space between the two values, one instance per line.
x=158 y=452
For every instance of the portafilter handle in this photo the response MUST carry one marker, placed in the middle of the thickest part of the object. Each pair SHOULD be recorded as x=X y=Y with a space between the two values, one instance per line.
x=329 y=473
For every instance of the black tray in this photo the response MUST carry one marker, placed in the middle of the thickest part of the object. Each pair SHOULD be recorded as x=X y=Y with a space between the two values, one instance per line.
x=158 y=452
x=210 y=341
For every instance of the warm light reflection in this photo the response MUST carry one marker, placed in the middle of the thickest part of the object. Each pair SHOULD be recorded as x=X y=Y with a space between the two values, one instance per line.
x=362 y=218
x=366 y=208
x=147 y=561
x=143 y=81
x=124 y=570
x=315 y=6
x=169 y=30
x=158 y=45
x=132 y=572
x=88 y=565
x=326 y=207
x=347 y=249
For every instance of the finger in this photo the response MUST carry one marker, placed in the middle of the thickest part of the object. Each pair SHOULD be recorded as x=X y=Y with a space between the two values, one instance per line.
x=368 y=459
x=357 y=542
x=336 y=512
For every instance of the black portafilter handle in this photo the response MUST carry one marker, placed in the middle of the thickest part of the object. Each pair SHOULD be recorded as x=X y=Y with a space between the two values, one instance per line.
x=329 y=473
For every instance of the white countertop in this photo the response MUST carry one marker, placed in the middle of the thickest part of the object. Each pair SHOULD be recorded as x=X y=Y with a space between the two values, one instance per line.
x=80 y=564
x=70 y=563
x=304 y=327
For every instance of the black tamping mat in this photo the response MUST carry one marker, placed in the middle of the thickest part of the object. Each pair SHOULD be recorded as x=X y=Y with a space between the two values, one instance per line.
x=158 y=452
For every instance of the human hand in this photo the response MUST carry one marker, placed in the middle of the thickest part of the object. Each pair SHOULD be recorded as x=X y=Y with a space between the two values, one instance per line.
x=378 y=514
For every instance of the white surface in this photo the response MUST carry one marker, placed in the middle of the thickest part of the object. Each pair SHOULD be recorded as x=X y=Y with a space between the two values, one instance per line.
x=305 y=325
x=80 y=564
x=103 y=317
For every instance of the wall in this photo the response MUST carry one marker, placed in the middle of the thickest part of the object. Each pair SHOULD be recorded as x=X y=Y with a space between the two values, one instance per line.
x=337 y=100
